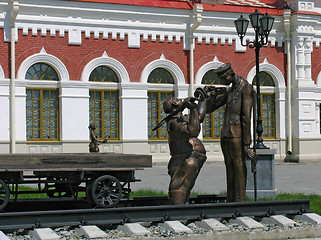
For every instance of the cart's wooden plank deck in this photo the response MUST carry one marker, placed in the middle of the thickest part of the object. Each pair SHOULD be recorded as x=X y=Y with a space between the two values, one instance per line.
x=74 y=162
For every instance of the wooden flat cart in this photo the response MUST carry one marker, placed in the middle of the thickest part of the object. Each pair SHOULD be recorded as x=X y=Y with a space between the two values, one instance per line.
x=103 y=178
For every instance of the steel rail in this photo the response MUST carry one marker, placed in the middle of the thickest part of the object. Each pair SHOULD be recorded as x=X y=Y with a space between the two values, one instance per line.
x=68 y=203
x=36 y=219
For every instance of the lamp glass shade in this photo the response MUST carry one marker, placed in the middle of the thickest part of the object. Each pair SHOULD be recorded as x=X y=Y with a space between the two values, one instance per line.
x=255 y=19
x=267 y=22
x=241 y=26
x=261 y=31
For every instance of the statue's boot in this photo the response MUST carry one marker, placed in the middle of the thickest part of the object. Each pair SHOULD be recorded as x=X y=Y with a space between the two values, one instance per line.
x=177 y=197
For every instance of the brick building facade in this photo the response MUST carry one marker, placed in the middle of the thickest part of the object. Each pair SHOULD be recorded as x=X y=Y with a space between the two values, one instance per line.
x=112 y=63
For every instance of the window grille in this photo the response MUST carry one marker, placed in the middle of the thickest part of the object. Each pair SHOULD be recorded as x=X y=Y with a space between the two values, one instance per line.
x=213 y=122
x=42 y=105
x=155 y=103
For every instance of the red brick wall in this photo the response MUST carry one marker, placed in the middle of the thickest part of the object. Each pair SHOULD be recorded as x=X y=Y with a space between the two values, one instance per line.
x=316 y=63
x=4 y=55
x=242 y=63
x=135 y=60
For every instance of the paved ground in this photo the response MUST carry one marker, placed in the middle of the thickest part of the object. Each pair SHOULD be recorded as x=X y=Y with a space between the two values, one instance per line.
x=289 y=178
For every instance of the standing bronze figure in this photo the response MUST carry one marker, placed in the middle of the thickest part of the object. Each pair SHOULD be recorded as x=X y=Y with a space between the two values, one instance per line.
x=236 y=130
x=94 y=141
x=187 y=151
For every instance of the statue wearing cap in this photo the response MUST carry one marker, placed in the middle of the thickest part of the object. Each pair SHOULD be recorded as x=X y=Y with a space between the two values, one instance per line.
x=187 y=151
x=238 y=99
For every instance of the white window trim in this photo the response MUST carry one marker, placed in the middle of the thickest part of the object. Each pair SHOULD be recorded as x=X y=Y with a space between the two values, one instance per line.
x=104 y=60
x=2 y=77
x=49 y=59
x=205 y=68
x=170 y=66
x=279 y=91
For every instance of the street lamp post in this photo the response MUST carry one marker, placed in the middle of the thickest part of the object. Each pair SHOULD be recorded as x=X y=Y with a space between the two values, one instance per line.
x=262 y=24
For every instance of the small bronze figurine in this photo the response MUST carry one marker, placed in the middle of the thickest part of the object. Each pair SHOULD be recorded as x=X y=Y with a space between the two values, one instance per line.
x=187 y=151
x=236 y=130
x=94 y=141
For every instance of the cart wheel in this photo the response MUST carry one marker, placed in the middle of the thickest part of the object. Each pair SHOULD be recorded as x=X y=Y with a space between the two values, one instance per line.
x=4 y=194
x=105 y=191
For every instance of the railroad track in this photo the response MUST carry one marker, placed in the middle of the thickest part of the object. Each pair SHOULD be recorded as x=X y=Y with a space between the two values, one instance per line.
x=11 y=221
x=43 y=204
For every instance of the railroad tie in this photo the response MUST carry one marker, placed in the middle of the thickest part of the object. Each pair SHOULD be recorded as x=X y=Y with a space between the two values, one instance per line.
x=274 y=227
x=246 y=222
x=312 y=218
x=135 y=229
x=44 y=234
x=91 y=232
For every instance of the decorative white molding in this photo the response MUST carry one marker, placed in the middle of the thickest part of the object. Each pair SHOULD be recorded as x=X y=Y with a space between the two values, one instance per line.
x=319 y=80
x=74 y=36
x=205 y=68
x=2 y=77
x=170 y=66
x=134 y=39
x=279 y=91
x=104 y=60
x=101 y=20
x=51 y=60
x=43 y=50
x=238 y=46
x=274 y=72
x=301 y=5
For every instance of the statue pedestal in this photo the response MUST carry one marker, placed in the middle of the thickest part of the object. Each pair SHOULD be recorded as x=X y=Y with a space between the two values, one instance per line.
x=265 y=179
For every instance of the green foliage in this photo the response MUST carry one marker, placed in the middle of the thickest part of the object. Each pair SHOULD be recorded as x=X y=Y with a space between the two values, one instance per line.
x=27 y=195
x=315 y=203
x=147 y=193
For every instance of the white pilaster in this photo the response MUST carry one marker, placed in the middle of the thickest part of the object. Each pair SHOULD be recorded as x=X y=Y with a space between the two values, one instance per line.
x=74 y=107
x=4 y=111
x=304 y=108
x=133 y=124
x=20 y=114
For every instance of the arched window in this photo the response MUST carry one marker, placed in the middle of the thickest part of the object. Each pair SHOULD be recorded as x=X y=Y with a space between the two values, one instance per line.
x=104 y=104
x=103 y=74
x=211 y=78
x=41 y=71
x=42 y=110
x=213 y=122
x=155 y=100
x=160 y=75
x=267 y=104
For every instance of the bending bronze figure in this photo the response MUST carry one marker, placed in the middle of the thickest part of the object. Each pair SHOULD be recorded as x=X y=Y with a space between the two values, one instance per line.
x=236 y=129
x=187 y=151
x=94 y=141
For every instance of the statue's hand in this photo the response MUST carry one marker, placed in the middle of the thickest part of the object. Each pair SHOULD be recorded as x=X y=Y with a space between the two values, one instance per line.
x=189 y=102
x=252 y=155
x=210 y=91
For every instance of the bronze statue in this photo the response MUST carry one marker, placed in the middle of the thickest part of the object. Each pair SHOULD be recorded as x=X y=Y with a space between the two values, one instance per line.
x=187 y=151
x=94 y=141
x=236 y=130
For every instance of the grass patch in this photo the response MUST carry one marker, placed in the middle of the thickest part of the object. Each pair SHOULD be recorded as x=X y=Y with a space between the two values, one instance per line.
x=28 y=195
x=315 y=203
x=315 y=200
x=154 y=193
x=148 y=193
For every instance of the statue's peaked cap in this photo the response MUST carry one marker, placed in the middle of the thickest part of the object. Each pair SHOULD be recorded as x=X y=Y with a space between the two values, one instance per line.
x=223 y=69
